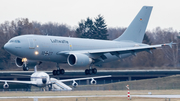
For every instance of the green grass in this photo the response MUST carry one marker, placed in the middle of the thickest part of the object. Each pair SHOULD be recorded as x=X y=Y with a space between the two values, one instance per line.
x=164 y=83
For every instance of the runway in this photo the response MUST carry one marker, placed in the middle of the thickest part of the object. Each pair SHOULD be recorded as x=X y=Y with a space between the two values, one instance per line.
x=117 y=75
x=146 y=96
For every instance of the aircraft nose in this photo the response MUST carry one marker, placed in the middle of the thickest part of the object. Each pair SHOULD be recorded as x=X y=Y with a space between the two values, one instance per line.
x=7 y=47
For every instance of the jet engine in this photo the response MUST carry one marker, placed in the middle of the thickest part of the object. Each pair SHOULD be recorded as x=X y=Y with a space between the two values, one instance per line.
x=93 y=81
x=20 y=61
x=5 y=85
x=78 y=60
x=74 y=84
x=44 y=80
x=23 y=62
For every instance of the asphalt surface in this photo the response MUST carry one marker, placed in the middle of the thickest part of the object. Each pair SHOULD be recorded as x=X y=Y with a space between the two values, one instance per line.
x=115 y=73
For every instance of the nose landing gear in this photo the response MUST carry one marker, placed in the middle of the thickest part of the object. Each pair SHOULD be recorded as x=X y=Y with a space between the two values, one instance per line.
x=25 y=67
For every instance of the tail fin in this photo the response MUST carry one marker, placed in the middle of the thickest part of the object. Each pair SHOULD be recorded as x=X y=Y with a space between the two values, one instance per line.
x=35 y=69
x=136 y=30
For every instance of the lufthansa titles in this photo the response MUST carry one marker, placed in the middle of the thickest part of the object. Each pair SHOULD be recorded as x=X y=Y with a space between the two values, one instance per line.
x=59 y=41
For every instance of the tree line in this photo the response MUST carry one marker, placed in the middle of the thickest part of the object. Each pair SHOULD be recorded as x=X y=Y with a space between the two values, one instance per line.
x=94 y=29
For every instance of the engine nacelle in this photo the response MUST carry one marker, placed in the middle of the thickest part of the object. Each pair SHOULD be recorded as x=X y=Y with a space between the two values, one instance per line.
x=78 y=60
x=5 y=85
x=19 y=62
x=93 y=81
x=74 y=84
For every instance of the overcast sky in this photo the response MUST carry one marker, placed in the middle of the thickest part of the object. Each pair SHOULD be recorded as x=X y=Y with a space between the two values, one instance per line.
x=117 y=13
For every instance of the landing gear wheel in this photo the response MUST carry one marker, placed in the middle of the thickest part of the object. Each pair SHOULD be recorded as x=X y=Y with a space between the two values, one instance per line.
x=90 y=71
x=94 y=70
x=87 y=71
x=54 y=72
x=25 y=68
x=62 y=71
x=58 y=72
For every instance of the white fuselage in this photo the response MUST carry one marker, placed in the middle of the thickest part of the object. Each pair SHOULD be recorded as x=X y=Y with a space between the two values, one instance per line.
x=38 y=78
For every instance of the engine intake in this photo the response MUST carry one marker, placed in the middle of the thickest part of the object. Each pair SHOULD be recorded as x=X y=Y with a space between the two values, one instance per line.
x=19 y=62
x=74 y=84
x=78 y=60
x=93 y=81
x=5 y=85
x=44 y=80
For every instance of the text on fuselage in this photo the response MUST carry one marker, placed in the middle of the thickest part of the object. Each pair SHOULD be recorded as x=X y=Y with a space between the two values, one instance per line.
x=59 y=41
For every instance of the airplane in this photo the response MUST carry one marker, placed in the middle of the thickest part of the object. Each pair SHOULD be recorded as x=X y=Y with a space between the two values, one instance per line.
x=42 y=79
x=34 y=49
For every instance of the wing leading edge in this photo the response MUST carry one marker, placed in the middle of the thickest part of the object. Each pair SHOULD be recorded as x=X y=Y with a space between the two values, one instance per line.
x=24 y=82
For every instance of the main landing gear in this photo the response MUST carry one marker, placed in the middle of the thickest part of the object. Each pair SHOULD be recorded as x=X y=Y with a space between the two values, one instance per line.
x=58 y=71
x=90 y=71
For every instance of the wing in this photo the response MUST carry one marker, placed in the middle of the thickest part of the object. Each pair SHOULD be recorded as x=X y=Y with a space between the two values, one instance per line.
x=84 y=78
x=20 y=75
x=118 y=51
x=24 y=82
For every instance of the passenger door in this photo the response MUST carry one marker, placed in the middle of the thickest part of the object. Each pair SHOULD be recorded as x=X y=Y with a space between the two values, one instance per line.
x=31 y=43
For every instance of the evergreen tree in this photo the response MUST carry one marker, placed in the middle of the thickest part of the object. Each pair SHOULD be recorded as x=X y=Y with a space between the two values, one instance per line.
x=81 y=29
x=89 y=29
x=100 y=28
x=93 y=30
x=146 y=39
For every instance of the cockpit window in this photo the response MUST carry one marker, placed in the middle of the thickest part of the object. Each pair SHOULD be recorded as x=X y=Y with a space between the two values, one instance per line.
x=14 y=41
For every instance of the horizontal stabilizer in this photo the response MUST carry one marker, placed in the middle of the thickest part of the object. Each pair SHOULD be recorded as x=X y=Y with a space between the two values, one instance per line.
x=169 y=44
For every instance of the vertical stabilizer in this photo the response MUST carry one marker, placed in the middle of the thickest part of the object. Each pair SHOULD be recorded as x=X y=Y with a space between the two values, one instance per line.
x=35 y=69
x=136 y=30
